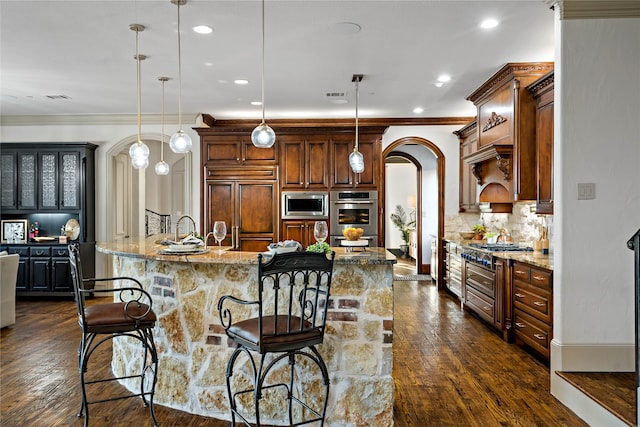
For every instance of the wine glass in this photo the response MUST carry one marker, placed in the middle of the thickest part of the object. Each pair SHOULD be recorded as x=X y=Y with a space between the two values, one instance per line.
x=219 y=233
x=320 y=231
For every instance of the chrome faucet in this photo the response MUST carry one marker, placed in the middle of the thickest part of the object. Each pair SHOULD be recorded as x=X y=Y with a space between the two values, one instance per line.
x=206 y=239
x=180 y=220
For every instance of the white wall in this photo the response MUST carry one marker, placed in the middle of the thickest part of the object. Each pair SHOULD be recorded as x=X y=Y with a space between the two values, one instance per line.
x=597 y=87
x=401 y=184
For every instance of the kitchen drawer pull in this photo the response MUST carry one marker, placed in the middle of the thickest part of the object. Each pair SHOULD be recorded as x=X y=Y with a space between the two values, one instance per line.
x=39 y=252
x=540 y=337
x=539 y=304
x=486 y=308
x=520 y=325
x=539 y=278
x=520 y=295
x=521 y=272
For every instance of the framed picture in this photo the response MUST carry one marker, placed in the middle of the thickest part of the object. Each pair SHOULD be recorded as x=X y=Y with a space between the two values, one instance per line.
x=14 y=231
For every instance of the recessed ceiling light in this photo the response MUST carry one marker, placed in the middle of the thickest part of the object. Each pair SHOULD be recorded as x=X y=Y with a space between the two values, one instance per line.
x=208 y=64
x=444 y=78
x=489 y=23
x=241 y=81
x=418 y=110
x=203 y=29
x=339 y=101
x=439 y=84
x=256 y=103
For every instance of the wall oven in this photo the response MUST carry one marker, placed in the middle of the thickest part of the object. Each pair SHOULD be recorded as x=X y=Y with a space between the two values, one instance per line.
x=357 y=209
x=305 y=205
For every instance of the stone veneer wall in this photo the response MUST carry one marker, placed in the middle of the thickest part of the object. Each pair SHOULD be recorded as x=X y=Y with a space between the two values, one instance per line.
x=193 y=348
x=523 y=223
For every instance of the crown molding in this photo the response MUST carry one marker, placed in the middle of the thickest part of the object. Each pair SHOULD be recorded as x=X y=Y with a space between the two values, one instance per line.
x=590 y=9
x=96 y=119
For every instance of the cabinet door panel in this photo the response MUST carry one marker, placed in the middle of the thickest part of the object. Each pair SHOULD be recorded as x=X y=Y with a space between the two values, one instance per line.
x=70 y=180
x=27 y=181
x=48 y=181
x=342 y=174
x=220 y=199
x=317 y=154
x=256 y=208
x=40 y=274
x=292 y=164
x=544 y=136
x=222 y=150
x=61 y=274
x=8 y=180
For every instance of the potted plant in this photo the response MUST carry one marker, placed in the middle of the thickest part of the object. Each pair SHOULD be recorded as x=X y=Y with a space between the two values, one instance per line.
x=479 y=230
x=404 y=225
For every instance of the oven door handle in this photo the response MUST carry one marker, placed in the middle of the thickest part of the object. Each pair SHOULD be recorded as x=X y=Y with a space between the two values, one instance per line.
x=357 y=202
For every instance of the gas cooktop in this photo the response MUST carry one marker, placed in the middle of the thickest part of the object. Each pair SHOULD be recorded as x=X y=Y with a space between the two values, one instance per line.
x=500 y=247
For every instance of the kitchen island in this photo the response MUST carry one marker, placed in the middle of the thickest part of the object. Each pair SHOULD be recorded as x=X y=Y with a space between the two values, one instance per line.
x=193 y=347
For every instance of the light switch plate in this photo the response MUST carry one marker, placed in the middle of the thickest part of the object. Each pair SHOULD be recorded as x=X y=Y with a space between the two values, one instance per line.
x=586 y=191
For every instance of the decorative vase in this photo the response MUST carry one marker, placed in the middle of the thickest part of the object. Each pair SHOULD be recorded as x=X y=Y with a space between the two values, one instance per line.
x=405 y=250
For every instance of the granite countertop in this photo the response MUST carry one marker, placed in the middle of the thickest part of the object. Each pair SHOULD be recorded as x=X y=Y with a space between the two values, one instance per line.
x=534 y=258
x=149 y=247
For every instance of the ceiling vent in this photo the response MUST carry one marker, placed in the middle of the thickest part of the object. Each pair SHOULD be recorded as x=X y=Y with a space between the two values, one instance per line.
x=58 y=97
x=336 y=94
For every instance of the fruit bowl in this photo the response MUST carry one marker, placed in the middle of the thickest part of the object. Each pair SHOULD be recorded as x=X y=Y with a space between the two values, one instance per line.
x=352 y=233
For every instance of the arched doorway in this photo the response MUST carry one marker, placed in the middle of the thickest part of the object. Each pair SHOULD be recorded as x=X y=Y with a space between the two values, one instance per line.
x=430 y=207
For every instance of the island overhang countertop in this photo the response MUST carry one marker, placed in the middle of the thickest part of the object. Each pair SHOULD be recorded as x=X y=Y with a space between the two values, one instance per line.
x=193 y=348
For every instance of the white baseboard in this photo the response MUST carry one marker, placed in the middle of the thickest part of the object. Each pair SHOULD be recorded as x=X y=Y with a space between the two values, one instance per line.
x=588 y=358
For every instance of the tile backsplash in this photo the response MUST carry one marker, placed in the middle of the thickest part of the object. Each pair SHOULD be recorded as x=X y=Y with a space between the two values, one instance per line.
x=523 y=223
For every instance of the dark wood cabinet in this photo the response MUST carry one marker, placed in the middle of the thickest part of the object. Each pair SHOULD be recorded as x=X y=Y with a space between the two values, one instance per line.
x=235 y=150
x=533 y=307
x=542 y=90
x=49 y=184
x=468 y=137
x=45 y=179
x=299 y=230
x=505 y=159
x=246 y=199
x=304 y=162
x=342 y=175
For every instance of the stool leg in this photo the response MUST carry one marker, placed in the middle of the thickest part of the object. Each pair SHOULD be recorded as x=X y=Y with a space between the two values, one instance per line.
x=325 y=377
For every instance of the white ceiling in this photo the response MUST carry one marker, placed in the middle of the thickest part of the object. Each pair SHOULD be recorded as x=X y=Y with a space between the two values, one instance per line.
x=84 y=50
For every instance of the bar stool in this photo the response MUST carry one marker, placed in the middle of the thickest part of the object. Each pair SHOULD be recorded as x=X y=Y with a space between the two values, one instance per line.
x=288 y=322
x=131 y=317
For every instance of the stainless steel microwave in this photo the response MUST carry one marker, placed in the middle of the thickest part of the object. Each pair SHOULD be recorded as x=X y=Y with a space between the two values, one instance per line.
x=305 y=205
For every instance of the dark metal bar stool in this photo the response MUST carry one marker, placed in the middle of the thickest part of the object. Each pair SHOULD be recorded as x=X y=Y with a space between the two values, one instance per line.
x=293 y=297
x=131 y=317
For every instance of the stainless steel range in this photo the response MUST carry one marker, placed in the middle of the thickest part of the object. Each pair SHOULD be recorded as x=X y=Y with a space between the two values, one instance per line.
x=481 y=253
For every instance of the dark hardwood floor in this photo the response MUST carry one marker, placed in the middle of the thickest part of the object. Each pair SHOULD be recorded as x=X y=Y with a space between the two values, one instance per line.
x=449 y=370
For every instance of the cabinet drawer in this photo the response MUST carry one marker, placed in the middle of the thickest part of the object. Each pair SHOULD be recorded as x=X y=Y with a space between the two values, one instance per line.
x=480 y=304
x=541 y=278
x=532 y=332
x=532 y=300
x=59 y=251
x=522 y=272
x=23 y=251
x=40 y=251
x=480 y=279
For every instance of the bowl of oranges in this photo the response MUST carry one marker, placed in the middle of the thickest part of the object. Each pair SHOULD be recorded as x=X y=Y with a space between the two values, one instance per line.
x=352 y=234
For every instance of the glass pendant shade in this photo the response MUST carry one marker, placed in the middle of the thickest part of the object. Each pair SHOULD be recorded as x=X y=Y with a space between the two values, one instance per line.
x=162 y=168
x=139 y=153
x=180 y=142
x=356 y=160
x=263 y=136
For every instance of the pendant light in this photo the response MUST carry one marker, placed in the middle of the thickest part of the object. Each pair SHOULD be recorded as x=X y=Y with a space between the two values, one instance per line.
x=139 y=152
x=162 y=167
x=263 y=136
x=180 y=141
x=356 y=160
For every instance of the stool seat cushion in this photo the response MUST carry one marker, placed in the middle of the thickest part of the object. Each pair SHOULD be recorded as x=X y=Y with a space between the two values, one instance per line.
x=290 y=335
x=118 y=317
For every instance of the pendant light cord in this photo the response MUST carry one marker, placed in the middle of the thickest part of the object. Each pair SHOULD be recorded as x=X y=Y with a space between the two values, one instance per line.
x=357 y=96
x=263 y=121
x=138 y=83
x=179 y=74
x=163 y=80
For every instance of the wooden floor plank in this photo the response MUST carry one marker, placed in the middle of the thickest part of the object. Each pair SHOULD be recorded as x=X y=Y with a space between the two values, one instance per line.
x=449 y=370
